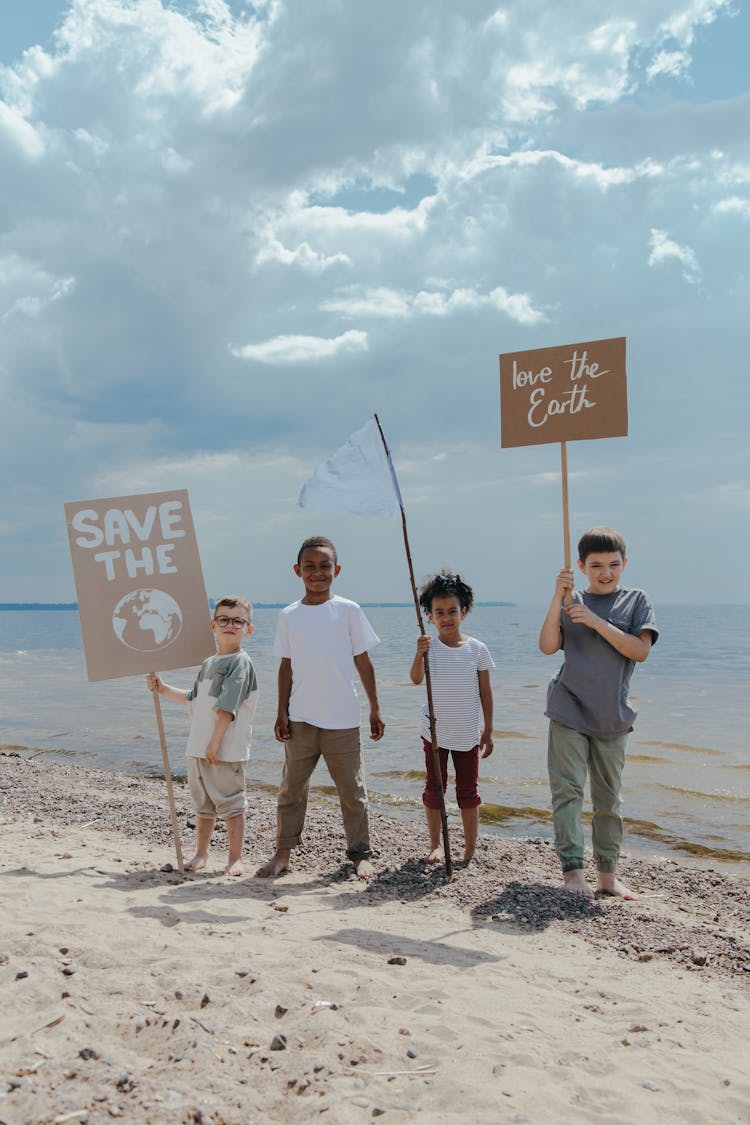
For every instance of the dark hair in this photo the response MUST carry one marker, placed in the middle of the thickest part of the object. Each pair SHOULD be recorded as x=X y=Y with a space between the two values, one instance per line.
x=445 y=585
x=317 y=541
x=234 y=600
x=600 y=539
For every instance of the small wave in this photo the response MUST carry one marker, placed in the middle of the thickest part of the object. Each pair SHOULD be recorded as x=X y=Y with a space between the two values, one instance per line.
x=651 y=831
x=59 y=752
x=511 y=734
x=400 y=775
x=501 y=814
x=701 y=796
x=683 y=746
x=255 y=786
x=646 y=758
x=30 y=752
x=324 y=790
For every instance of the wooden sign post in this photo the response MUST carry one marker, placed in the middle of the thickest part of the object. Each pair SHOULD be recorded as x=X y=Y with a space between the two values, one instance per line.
x=141 y=597
x=571 y=392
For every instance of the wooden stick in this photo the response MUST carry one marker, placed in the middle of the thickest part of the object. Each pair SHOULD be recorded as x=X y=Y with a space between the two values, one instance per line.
x=566 y=514
x=168 y=779
x=438 y=780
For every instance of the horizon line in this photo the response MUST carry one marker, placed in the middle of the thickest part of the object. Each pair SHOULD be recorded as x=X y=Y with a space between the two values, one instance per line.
x=212 y=602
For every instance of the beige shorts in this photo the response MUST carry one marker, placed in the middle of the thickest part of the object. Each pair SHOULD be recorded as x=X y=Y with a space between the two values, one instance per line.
x=217 y=790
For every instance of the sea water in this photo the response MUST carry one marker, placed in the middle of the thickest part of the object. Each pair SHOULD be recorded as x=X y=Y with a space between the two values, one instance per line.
x=686 y=783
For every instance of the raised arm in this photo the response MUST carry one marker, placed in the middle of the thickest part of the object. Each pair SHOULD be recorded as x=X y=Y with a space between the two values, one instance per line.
x=366 y=672
x=550 y=636
x=417 y=668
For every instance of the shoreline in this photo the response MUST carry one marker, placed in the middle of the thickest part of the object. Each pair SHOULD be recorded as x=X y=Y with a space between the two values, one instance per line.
x=133 y=991
x=529 y=866
x=656 y=846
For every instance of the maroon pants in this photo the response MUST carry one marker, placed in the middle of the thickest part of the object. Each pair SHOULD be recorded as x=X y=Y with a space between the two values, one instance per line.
x=466 y=765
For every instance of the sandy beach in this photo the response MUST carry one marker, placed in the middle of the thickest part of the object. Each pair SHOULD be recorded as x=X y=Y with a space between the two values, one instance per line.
x=131 y=991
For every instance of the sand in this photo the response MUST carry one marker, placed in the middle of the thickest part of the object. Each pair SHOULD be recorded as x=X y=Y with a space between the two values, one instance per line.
x=131 y=991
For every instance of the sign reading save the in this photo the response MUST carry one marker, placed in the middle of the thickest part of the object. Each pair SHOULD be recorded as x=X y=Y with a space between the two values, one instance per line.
x=139 y=583
x=570 y=392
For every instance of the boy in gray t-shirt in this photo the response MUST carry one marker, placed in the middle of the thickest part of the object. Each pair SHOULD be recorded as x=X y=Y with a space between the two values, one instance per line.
x=604 y=632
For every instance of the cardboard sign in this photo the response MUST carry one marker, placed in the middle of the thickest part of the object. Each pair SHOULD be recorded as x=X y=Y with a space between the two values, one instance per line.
x=141 y=596
x=568 y=393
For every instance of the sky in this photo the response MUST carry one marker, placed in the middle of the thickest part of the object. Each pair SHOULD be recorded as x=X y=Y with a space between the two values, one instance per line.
x=231 y=232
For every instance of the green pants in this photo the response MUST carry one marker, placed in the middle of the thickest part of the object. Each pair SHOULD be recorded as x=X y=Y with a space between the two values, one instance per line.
x=570 y=756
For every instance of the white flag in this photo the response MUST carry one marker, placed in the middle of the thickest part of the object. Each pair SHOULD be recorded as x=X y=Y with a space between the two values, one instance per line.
x=359 y=478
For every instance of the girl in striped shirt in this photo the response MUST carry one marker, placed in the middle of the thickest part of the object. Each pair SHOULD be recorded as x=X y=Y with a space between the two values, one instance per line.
x=462 y=700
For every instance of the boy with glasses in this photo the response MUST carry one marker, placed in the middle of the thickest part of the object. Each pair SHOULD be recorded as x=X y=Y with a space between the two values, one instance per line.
x=221 y=703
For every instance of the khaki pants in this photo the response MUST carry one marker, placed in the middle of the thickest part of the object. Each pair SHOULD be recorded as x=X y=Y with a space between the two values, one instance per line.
x=342 y=753
x=570 y=756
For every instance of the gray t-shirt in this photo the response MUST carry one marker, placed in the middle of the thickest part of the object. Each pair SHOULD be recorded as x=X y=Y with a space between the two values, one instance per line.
x=590 y=692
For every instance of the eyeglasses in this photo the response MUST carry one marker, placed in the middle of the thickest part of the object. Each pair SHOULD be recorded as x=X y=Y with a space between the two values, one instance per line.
x=236 y=622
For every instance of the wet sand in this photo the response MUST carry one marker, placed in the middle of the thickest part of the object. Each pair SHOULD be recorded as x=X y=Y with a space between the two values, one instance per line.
x=133 y=991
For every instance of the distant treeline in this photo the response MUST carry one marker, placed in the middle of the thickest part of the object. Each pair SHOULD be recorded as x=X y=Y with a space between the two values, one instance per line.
x=38 y=605
x=257 y=605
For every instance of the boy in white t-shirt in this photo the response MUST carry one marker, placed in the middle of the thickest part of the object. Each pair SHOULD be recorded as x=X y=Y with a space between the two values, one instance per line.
x=461 y=689
x=221 y=703
x=322 y=642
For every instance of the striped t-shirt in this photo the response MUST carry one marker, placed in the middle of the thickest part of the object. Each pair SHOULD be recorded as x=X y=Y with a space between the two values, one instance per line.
x=454 y=673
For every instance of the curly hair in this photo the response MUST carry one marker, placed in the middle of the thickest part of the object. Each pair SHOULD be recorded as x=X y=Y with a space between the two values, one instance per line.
x=445 y=585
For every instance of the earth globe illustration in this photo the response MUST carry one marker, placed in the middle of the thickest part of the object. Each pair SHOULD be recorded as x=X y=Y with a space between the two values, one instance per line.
x=147 y=620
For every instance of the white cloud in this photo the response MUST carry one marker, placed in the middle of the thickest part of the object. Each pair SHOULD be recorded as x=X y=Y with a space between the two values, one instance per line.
x=388 y=304
x=207 y=58
x=303 y=256
x=735 y=494
x=672 y=63
x=302 y=349
x=20 y=132
x=602 y=176
x=665 y=249
x=682 y=21
x=26 y=288
x=377 y=302
x=734 y=205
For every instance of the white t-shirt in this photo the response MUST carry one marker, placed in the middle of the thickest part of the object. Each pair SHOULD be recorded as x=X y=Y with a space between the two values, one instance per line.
x=223 y=683
x=321 y=642
x=454 y=674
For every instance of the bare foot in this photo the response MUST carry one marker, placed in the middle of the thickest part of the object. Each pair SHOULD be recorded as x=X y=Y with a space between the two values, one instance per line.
x=197 y=863
x=468 y=854
x=609 y=884
x=576 y=883
x=234 y=867
x=364 y=869
x=435 y=856
x=278 y=864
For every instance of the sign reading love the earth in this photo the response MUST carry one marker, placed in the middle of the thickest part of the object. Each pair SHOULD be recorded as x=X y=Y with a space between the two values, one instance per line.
x=139 y=583
x=567 y=393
